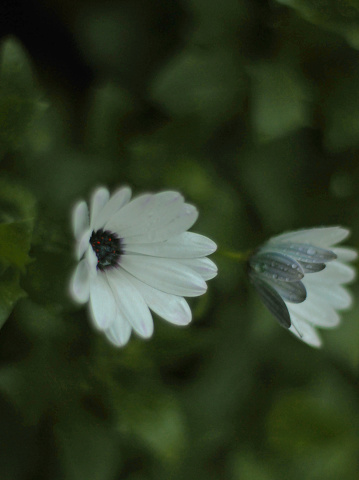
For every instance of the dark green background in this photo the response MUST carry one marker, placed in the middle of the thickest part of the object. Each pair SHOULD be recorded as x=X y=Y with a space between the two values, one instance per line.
x=251 y=109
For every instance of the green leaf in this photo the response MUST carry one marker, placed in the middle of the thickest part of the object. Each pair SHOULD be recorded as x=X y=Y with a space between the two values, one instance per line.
x=314 y=432
x=163 y=433
x=280 y=99
x=339 y=16
x=16 y=203
x=341 y=110
x=109 y=113
x=15 y=70
x=303 y=422
x=247 y=466
x=17 y=212
x=208 y=86
x=86 y=447
x=18 y=96
x=10 y=293
x=135 y=393
x=15 y=242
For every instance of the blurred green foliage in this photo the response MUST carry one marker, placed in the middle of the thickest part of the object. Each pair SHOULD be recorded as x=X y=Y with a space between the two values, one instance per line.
x=250 y=109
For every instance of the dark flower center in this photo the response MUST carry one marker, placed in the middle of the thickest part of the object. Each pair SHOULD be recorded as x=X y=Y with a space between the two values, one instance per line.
x=107 y=247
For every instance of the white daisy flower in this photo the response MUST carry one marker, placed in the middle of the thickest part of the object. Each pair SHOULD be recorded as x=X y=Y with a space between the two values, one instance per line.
x=135 y=256
x=299 y=277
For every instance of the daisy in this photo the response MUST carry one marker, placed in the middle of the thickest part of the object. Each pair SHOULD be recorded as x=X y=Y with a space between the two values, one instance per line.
x=299 y=277
x=136 y=256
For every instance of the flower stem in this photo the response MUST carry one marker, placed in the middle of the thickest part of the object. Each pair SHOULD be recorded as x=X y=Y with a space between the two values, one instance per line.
x=238 y=256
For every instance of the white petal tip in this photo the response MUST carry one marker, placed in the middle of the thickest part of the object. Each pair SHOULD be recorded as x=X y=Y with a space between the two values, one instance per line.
x=100 y=322
x=213 y=247
x=210 y=246
x=307 y=334
x=144 y=330
x=182 y=321
x=98 y=200
x=115 y=340
x=198 y=289
x=345 y=254
x=180 y=318
x=211 y=273
x=80 y=218
x=80 y=283
x=100 y=191
x=78 y=296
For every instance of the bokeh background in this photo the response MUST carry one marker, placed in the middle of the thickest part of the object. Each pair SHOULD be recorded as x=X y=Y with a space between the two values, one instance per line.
x=250 y=108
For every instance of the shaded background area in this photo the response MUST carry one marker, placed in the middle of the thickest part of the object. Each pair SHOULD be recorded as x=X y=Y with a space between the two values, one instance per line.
x=251 y=109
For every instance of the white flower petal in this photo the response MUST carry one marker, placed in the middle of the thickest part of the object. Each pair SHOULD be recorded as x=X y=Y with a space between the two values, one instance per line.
x=336 y=295
x=156 y=212
x=117 y=201
x=184 y=220
x=80 y=282
x=185 y=245
x=83 y=244
x=305 y=332
x=130 y=303
x=204 y=266
x=334 y=273
x=315 y=311
x=98 y=200
x=172 y=308
x=102 y=303
x=130 y=214
x=345 y=254
x=321 y=237
x=80 y=219
x=165 y=274
x=92 y=261
x=120 y=331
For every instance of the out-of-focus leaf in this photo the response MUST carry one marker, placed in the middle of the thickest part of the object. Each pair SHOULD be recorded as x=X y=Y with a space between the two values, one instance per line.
x=218 y=22
x=339 y=16
x=86 y=448
x=273 y=190
x=10 y=293
x=299 y=422
x=18 y=97
x=308 y=427
x=156 y=422
x=154 y=419
x=53 y=265
x=15 y=69
x=46 y=347
x=110 y=107
x=246 y=466
x=205 y=85
x=15 y=242
x=280 y=99
x=341 y=112
x=19 y=454
x=16 y=203
x=17 y=213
